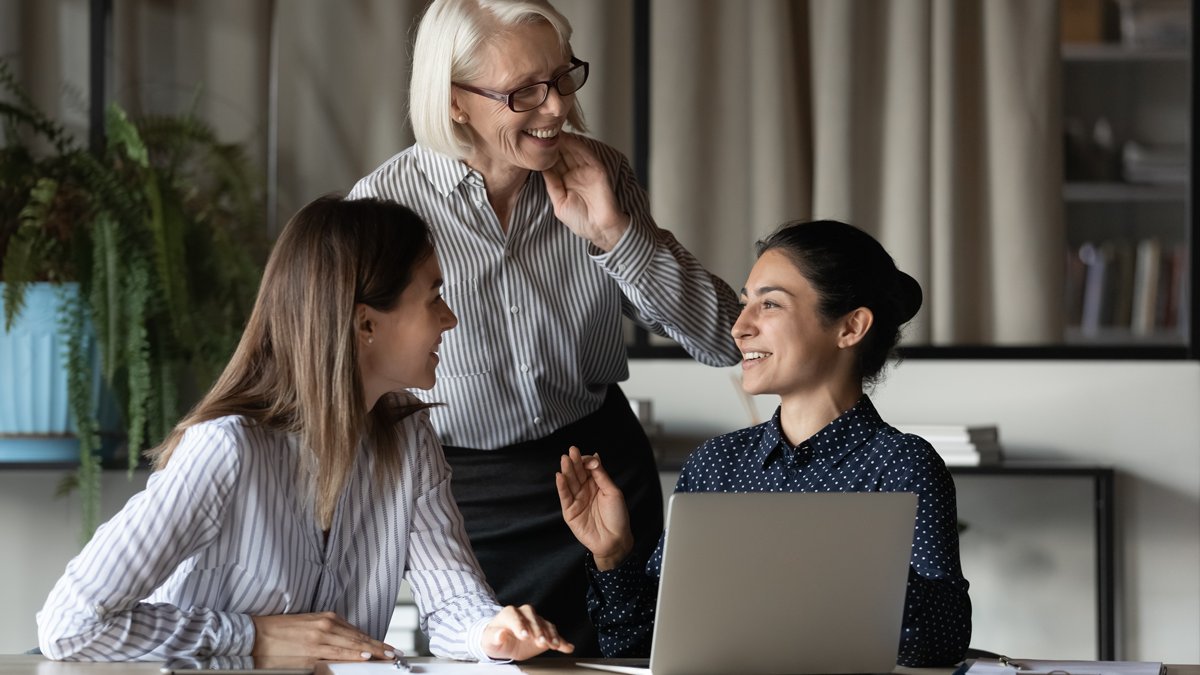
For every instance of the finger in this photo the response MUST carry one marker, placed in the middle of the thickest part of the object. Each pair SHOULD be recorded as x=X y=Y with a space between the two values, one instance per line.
x=350 y=649
x=564 y=647
x=570 y=153
x=332 y=653
x=341 y=634
x=556 y=641
x=573 y=478
x=554 y=185
x=518 y=621
x=545 y=631
x=577 y=467
x=577 y=153
x=601 y=477
x=538 y=631
x=335 y=648
x=566 y=498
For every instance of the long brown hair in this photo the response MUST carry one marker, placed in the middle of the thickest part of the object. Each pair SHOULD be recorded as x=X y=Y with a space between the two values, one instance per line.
x=296 y=366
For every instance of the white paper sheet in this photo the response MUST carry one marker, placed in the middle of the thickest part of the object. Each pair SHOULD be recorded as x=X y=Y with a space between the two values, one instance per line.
x=439 y=668
x=1042 y=667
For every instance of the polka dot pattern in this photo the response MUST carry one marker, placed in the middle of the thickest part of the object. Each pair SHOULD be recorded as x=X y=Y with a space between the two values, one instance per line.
x=857 y=452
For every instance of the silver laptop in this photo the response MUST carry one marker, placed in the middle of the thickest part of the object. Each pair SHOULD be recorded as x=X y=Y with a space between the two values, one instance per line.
x=772 y=583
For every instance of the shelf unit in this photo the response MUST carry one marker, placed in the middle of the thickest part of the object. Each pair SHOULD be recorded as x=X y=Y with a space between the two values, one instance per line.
x=1128 y=223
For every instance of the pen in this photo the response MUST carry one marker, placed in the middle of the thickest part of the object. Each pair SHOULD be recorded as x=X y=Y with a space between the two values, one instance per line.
x=401 y=664
x=1007 y=662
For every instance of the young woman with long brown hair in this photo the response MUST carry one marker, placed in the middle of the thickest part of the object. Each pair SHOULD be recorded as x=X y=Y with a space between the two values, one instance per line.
x=285 y=509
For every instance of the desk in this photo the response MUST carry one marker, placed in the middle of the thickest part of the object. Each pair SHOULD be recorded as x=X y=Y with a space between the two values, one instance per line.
x=11 y=664
x=1104 y=518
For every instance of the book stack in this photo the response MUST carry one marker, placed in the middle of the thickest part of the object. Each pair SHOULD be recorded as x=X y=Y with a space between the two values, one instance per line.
x=1155 y=164
x=1136 y=286
x=960 y=445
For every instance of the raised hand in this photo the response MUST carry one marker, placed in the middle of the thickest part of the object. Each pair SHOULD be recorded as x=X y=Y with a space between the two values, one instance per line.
x=519 y=633
x=582 y=197
x=594 y=508
x=324 y=635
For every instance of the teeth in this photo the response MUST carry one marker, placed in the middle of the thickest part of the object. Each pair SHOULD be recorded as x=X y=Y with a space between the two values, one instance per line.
x=542 y=133
x=754 y=356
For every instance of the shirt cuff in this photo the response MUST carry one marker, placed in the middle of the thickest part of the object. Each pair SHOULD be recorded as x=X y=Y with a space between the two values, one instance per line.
x=475 y=642
x=234 y=635
x=618 y=585
x=631 y=256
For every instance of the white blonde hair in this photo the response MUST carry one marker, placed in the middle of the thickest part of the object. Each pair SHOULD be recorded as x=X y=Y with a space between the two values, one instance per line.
x=447 y=48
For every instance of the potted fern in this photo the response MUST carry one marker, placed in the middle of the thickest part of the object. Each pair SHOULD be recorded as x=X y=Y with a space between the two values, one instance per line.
x=155 y=246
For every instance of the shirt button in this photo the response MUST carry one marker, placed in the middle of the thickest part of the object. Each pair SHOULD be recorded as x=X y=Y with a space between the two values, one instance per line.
x=620 y=267
x=524 y=367
x=537 y=420
x=514 y=309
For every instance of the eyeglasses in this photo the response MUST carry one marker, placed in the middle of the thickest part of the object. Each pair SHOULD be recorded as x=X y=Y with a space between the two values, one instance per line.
x=531 y=96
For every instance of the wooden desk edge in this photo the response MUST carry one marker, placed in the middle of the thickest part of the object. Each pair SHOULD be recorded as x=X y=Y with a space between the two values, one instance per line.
x=23 y=664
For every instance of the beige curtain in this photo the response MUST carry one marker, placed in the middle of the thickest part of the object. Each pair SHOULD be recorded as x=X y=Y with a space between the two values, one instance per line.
x=933 y=124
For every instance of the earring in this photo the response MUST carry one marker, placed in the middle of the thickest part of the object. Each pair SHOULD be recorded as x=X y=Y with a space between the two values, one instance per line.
x=462 y=119
x=370 y=339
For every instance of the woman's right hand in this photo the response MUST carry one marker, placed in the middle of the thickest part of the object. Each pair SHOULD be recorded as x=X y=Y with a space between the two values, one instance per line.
x=324 y=635
x=594 y=508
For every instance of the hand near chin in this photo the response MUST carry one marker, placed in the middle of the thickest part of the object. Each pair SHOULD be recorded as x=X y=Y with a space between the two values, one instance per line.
x=518 y=633
x=582 y=197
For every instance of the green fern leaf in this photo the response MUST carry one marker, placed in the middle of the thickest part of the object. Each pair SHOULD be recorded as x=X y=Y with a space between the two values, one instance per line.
x=106 y=295
x=138 y=359
x=123 y=136
x=73 y=319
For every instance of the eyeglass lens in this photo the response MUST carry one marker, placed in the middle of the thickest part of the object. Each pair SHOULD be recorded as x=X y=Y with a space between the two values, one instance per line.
x=567 y=83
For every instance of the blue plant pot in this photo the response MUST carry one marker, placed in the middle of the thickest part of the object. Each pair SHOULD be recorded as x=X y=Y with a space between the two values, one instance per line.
x=36 y=425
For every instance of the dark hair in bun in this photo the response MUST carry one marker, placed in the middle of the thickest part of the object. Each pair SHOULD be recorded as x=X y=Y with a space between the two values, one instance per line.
x=849 y=269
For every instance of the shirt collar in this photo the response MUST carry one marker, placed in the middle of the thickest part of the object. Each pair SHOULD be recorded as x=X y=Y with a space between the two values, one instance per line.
x=443 y=172
x=840 y=437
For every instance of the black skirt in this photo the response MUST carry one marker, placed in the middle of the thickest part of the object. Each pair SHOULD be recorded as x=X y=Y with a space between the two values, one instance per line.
x=510 y=505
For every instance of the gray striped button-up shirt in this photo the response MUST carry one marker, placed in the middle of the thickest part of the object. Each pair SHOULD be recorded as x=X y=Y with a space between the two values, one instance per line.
x=224 y=532
x=540 y=334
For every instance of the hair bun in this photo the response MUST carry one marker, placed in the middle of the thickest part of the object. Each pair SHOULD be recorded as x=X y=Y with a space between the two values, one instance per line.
x=907 y=296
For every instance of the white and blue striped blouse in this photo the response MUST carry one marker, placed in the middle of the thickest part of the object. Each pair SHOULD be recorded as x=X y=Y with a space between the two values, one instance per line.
x=540 y=334
x=224 y=532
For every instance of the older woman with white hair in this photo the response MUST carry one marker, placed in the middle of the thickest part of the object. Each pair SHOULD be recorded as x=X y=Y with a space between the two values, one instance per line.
x=546 y=242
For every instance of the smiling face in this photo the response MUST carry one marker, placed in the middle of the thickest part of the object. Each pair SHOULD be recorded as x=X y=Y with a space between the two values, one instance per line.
x=398 y=347
x=787 y=348
x=505 y=140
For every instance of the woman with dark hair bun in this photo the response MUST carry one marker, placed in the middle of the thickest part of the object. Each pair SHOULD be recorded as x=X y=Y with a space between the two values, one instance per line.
x=848 y=269
x=821 y=312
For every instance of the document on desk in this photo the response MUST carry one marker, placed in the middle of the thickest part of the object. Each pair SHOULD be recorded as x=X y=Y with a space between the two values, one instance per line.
x=1044 y=667
x=439 y=668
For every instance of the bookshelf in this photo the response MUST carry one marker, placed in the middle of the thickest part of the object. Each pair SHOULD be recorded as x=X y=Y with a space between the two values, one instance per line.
x=1127 y=119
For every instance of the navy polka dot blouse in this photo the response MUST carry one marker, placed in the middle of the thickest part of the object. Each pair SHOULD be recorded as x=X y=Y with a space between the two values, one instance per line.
x=857 y=452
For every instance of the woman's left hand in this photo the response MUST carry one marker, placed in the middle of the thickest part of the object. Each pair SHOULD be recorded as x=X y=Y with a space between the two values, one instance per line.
x=582 y=197
x=518 y=633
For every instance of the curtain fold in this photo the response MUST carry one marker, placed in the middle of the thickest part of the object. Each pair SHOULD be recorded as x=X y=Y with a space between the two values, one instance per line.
x=933 y=124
